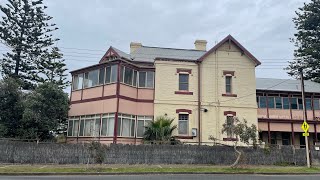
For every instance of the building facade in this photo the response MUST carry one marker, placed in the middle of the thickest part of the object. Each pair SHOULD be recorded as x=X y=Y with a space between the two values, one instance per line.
x=112 y=101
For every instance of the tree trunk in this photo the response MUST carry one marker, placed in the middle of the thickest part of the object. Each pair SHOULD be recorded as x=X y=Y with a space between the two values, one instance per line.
x=238 y=158
x=18 y=59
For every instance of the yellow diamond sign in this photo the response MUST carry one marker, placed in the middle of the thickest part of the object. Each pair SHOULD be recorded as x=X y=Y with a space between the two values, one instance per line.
x=305 y=127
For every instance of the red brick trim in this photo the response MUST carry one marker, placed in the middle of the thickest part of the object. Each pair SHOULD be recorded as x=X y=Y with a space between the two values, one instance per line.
x=184 y=110
x=230 y=112
x=229 y=95
x=184 y=137
x=230 y=139
x=184 y=92
x=184 y=70
x=111 y=97
x=228 y=73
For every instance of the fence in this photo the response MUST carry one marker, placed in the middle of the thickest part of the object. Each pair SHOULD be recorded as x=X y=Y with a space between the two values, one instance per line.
x=45 y=153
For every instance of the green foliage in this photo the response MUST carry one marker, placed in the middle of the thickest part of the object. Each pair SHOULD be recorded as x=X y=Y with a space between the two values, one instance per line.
x=97 y=151
x=45 y=109
x=27 y=30
x=160 y=130
x=11 y=107
x=246 y=134
x=307 y=41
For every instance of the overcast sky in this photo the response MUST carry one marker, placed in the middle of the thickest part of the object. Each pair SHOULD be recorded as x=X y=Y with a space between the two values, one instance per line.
x=262 y=26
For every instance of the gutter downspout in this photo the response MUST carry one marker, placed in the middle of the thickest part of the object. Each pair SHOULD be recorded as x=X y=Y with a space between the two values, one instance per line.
x=199 y=103
x=115 y=133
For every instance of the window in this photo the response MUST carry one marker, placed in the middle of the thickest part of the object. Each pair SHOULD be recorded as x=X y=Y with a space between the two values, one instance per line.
x=183 y=124
x=77 y=82
x=107 y=128
x=293 y=103
x=230 y=121
x=308 y=104
x=285 y=138
x=135 y=74
x=128 y=76
x=91 y=78
x=273 y=137
x=300 y=104
x=183 y=82
x=228 y=84
x=143 y=121
x=278 y=102
x=111 y=74
x=262 y=102
x=90 y=125
x=270 y=102
x=316 y=105
x=101 y=75
x=73 y=126
x=146 y=79
x=126 y=125
x=286 y=104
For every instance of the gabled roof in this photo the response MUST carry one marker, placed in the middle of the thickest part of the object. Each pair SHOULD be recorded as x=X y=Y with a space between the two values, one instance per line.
x=290 y=85
x=112 y=51
x=149 y=54
x=229 y=38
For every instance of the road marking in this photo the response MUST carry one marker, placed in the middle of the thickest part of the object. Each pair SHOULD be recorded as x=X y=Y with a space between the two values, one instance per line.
x=159 y=166
x=42 y=167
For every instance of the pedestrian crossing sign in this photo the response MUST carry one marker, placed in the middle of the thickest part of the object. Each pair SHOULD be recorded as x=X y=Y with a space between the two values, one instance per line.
x=305 y=126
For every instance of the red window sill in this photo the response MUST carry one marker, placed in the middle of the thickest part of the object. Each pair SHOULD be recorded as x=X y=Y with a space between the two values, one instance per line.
x=230 y=139
x=229 y=95
x=184 y=137
x=184 y=92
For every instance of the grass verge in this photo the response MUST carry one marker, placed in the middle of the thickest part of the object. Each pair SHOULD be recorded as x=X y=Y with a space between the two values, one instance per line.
x=112 y=169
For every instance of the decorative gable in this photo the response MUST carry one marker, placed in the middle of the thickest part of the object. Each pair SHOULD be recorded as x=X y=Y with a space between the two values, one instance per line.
x=109 y=55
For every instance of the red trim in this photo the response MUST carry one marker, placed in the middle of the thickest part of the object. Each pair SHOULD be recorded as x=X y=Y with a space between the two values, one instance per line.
x=292 y=134
x=135 y=100
x=229 y=112
x=228 y=73
x=184 y=137
x=184 y=110
x=316 y=133
x=269 y=133
x=111 y=97
x=229 y=95
x=115 y=131
x=184 y=70
x=230 y=38
x=230 y=139
x=184 y=92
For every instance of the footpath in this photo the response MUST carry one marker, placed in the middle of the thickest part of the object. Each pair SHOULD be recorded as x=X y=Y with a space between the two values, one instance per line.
x=83 y=169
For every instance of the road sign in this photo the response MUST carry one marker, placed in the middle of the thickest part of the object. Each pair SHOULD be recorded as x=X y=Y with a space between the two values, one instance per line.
x=305 y=134
x=305 y=127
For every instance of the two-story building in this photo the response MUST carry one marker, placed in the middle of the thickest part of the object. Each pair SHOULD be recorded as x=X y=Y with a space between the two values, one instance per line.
x=112 y=101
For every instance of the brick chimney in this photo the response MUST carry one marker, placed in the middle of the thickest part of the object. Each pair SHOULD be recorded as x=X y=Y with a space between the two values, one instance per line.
x=134 y=46
x=200 y=45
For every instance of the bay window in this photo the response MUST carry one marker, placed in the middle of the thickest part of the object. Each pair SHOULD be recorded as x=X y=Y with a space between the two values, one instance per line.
x=111 y=74
x=91 y=78
x=90 y=125
x=101 y=75
x=77 y=82
x=126 y=125
x=128 y=76
x=146 y=79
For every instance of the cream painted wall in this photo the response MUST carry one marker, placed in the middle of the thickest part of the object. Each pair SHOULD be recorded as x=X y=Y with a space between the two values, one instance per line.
x=212 y=88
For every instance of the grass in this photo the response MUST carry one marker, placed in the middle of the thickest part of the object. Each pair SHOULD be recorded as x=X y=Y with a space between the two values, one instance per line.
x=16 y=169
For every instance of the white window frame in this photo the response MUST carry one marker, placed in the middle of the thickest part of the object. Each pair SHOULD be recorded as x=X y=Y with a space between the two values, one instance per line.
x=132 y=118
x=107 y=116
x=145 y=81
x=183 y=120
x=146 y=120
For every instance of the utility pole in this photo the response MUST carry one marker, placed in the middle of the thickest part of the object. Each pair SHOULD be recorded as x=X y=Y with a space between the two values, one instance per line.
x=304 y=116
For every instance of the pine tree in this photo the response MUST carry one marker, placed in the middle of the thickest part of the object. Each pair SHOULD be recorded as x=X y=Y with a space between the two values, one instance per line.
x=54 y=69
x=26 y=29
x=307 y=42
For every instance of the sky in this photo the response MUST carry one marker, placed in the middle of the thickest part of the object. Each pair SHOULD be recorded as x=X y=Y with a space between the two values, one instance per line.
x=87 y=28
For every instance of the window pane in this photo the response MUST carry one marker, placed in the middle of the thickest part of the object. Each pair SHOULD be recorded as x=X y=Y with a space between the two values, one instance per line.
x=93 y=78
x=263 y=102
x=86 y=80
x=70 y=126
x=142 y=79
x=150 y=77
x=135 y=78
x=293 y=102
x=286 y=104
x=140 y=129
x=75 y=128
x=133 y=125
x=77 y=82
x=114 y=73
x=88 y=128
x=308 y=104
x=184 y=82
x=104 y=127
x=300 y=104
x=228 y=88
x=271 y=102
x=228 y=84
x=128 y=76
x=97 y=127
x=101 y=76
x=316 y=105
x=230 y=121
x=108 y=74
x=81 y=128
x=278 y=102
x=110 y=131
x=119 y=127
x=125 y=127
x=183 y=124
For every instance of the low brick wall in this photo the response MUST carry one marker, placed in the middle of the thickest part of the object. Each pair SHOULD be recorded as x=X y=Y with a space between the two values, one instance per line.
x=32 y=153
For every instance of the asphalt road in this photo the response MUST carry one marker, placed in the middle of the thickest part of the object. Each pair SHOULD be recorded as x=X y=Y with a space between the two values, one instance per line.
x=167 y=177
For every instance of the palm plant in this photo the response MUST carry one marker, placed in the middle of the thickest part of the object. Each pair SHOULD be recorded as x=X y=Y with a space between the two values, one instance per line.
x=159 y=130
